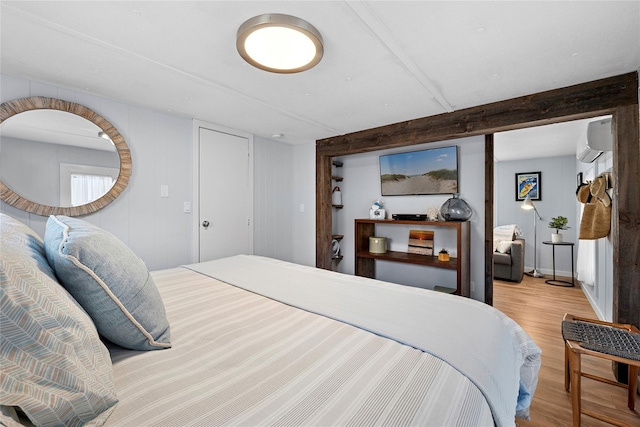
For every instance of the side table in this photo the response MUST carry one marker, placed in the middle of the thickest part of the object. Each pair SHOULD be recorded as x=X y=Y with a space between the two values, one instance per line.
x=554 y=281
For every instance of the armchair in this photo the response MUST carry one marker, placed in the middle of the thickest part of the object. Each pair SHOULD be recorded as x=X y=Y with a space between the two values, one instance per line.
x=508 y=260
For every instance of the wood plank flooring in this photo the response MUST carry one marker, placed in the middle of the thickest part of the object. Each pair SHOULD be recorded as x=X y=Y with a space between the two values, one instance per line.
x=538 y=308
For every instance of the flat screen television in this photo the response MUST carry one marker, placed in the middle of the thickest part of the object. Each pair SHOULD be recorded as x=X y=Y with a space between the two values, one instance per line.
x=432 y=171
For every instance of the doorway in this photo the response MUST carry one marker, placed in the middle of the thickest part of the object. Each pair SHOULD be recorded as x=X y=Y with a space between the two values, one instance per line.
x=223 y=193
x=552 y=149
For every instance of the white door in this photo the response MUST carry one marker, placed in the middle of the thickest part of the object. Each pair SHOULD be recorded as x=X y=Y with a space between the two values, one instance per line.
x=224 y=195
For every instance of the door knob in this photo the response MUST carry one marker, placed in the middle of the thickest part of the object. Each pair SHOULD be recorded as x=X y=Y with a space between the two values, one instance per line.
x=205 y=224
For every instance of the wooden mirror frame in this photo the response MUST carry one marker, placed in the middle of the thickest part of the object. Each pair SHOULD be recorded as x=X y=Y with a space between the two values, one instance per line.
x=11 y=108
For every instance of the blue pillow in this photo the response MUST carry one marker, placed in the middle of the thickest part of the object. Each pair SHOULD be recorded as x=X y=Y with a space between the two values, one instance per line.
x=109 y=281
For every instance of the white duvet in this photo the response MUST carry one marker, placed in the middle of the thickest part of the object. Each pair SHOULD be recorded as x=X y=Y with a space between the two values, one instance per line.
x=476 y=339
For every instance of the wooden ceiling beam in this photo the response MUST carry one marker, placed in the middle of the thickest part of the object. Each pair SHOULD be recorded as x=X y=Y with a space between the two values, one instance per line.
x=574 y=102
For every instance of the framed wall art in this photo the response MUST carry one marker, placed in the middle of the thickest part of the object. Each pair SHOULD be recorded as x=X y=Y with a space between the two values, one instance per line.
x=420 y=242
x=528 y=184
x=431 y=171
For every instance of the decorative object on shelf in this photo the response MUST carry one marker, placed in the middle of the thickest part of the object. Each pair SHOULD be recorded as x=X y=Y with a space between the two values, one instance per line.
x=431 y=171
x=409 y=217
x=377 y=245
x=335 y=248
x=455 y=209
x=527 y=204
x=421 y=242
x=433 y=213
x=559 y=223
x=443 y=255
x=377 y=210
x=528 y=184
x=336 y=196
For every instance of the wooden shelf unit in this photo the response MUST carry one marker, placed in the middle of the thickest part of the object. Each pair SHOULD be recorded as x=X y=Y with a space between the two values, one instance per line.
x=366 y=261
x=338 y=237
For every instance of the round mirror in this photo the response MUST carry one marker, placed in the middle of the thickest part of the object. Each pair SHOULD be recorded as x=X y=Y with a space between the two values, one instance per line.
x=60 y=157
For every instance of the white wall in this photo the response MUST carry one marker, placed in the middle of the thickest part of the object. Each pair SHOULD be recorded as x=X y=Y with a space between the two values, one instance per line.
x=273 y=183
x=39 y=179
x=361 y=187
x=284 y=201
x=156 y=228
x=304 y=204
x=558 y=179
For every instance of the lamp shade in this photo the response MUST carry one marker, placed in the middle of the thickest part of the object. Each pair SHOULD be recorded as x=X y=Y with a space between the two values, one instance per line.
x=279 y=43
x=527 y=204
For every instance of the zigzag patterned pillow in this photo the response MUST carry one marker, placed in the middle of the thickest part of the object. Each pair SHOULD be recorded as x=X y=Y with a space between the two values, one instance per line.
x=55 y=369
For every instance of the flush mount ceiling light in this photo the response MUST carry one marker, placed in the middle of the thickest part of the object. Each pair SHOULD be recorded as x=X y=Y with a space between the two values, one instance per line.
x=279 y=43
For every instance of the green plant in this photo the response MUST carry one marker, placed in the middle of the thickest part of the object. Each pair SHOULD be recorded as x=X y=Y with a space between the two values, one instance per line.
x=444 y=251
x=559 y=223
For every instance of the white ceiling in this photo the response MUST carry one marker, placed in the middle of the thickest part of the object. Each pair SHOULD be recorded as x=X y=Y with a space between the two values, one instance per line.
x=555 y=140
x=384 y=61
x=56 y=127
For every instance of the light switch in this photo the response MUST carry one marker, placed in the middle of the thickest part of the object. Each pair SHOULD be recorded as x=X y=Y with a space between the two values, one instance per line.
x=301 y=207
x=187 y=207
x=164 y=190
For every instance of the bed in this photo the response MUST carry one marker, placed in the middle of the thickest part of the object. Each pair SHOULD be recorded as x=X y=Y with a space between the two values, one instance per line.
x=247 y=340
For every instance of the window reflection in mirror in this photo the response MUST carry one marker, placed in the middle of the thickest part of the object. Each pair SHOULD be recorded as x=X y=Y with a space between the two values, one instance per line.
x=42 y=151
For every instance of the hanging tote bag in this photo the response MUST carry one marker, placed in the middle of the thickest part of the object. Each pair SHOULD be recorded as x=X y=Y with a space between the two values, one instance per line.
x=596 y=220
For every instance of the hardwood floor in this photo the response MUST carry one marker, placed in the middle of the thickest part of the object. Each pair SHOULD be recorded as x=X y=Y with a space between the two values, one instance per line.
x=538 y=308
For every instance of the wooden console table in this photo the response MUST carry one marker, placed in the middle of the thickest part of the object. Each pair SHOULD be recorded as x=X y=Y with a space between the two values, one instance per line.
x=365 y=260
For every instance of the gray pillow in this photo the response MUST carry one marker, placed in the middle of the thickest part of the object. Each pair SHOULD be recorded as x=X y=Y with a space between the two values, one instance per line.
x=54 y=367
x=110 y=282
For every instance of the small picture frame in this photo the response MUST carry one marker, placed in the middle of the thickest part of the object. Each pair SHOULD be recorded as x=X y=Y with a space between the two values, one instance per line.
x=579 y=178
x=528 y=184
x=421 y=242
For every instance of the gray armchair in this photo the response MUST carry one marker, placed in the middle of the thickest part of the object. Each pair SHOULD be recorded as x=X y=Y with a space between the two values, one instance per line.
x=510 y=265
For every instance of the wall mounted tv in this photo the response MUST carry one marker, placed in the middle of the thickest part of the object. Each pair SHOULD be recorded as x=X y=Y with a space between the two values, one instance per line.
x=433 y=171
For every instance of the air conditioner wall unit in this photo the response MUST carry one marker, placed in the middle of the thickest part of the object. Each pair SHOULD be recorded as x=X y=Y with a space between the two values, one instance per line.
x=596 y=140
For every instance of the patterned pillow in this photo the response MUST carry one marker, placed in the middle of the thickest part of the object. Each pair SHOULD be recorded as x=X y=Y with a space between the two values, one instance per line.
x=110 y=282
x=55 y=369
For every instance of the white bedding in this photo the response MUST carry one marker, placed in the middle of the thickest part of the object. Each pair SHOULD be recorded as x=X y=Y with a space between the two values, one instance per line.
x=479 y=341
x=240 y=359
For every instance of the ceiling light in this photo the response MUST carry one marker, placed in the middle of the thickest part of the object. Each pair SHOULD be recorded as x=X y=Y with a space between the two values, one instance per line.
x=279 y=43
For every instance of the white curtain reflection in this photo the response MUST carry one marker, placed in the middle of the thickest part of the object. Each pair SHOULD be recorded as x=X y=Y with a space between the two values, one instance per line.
x=87 y=188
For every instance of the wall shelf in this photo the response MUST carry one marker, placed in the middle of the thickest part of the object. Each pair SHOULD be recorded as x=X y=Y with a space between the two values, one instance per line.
x=365 y=260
